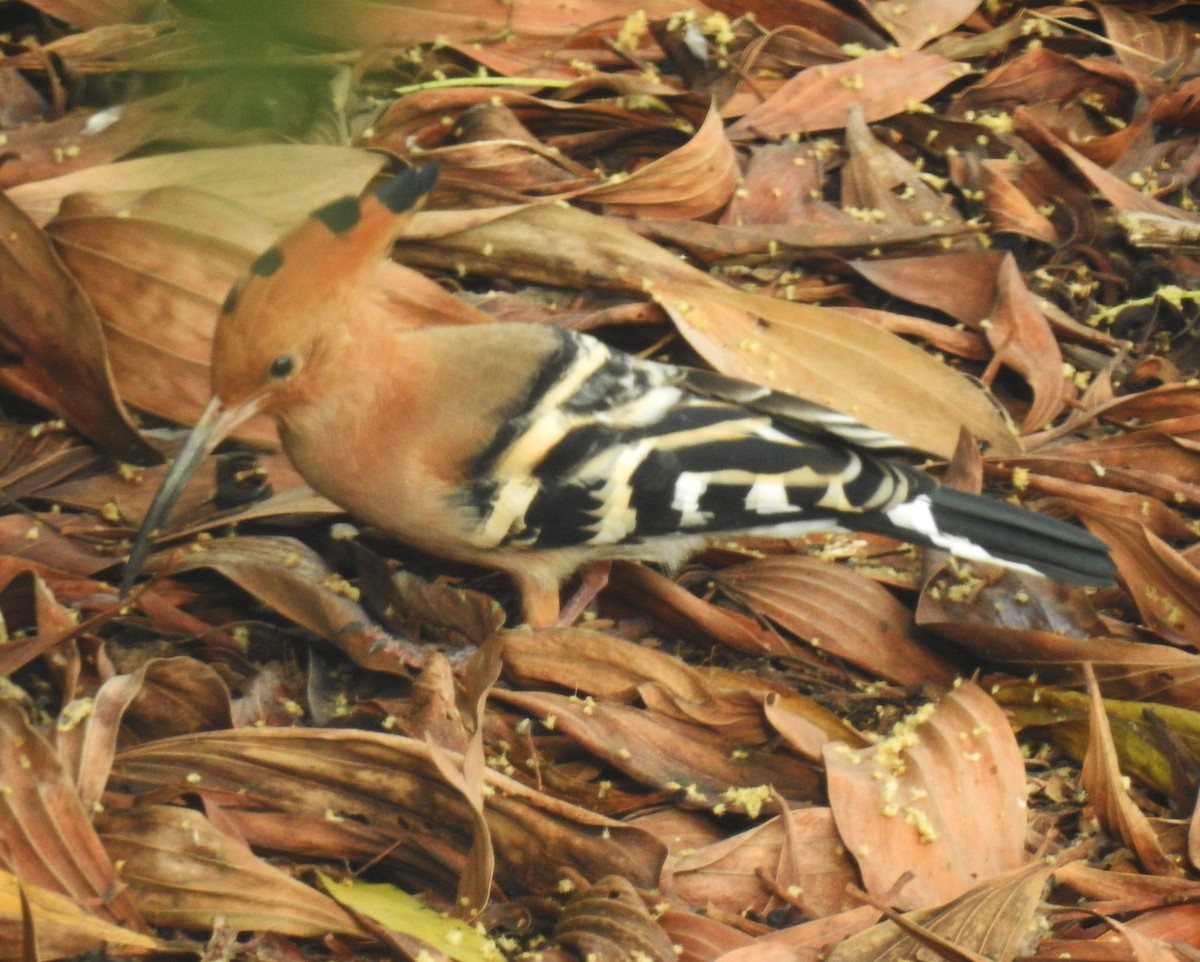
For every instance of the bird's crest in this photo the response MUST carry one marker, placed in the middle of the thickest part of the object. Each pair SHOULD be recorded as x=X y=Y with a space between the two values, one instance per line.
x=314 y=278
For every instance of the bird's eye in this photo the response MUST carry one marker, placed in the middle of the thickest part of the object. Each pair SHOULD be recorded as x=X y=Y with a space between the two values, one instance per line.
x=282 y=367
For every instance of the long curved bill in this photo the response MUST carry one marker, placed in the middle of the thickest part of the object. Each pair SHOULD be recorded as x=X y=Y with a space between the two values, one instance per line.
x=214 y=426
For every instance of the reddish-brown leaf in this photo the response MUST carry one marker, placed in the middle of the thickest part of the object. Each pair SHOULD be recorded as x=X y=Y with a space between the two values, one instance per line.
x=798 y=851
x=839 y=611
x=285 y=788
x=49 y=322
x=1117 y=813
x=821 y=98
x=708 y=769
x=916 y=24
x=913 y=803
x=49 y=840
x=185 y=872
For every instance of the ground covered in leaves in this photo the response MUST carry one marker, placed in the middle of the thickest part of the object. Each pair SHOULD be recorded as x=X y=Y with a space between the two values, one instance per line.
x=970 y=224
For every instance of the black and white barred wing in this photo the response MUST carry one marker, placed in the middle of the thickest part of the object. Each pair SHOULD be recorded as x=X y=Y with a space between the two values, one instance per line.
x=611 y=450
x=606 y=450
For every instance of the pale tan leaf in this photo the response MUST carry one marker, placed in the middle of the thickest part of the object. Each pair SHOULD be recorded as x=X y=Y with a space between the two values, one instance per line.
x=281 y=182
x=824 y=355
x=62 y=927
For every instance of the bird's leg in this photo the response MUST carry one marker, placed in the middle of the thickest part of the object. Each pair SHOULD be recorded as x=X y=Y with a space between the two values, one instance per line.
x=539 y=600
x=593 y=578
x=540 y=603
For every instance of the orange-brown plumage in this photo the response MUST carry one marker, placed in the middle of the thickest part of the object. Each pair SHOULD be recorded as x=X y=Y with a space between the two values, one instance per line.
x=537 y=451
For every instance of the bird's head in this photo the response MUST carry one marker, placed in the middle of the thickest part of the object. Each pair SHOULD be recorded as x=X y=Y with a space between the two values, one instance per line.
x=275 y=319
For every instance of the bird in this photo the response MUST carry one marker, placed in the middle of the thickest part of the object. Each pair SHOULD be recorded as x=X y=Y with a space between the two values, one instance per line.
x=538 y=451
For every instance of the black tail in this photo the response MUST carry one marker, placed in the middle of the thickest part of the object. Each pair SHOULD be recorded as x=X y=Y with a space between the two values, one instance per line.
x=1055 y=548
x=983 y=529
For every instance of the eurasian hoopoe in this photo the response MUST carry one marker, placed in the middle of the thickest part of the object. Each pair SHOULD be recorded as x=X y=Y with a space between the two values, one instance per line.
x=537 y=451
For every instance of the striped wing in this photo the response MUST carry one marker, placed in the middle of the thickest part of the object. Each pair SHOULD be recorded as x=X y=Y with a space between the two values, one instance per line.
x=607 y=450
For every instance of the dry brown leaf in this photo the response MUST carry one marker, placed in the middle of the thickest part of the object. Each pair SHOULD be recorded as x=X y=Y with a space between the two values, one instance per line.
x=165 y=696
x=50 y=325
x=1008 y=208
x=86 y=139
x=597 y=664
x=708 y=769
x=1152 y=947
x=1122 y=195
x=1116 y=812
x=49 y=840
x=1163 y=584
x=984 y=290
x=821 y=98
x=1119 y=893
x=1158 y=461
x=805 y=726
x=1144 y=43
x=838 y=611
x=880 y=184
x=690 y=182
x=1135 y=670
x=672 y=604
x=55 y=628
x=404 y=22
x=609 y=921
x=961 y=284
x=913 y=802
x=733 y=703
x=956 y=599
x=1021 y=337
x=184 y=872
x=1177 y=924
x=465 y=771
x=281 y=787
x=1193 y=838
x=993 y=920
x=809 y=941
x=702 y=938
x=158 y=288
x=807 y=857
x=405 y=603
x=288 y=576
x=778 y=187
x=916 y=24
